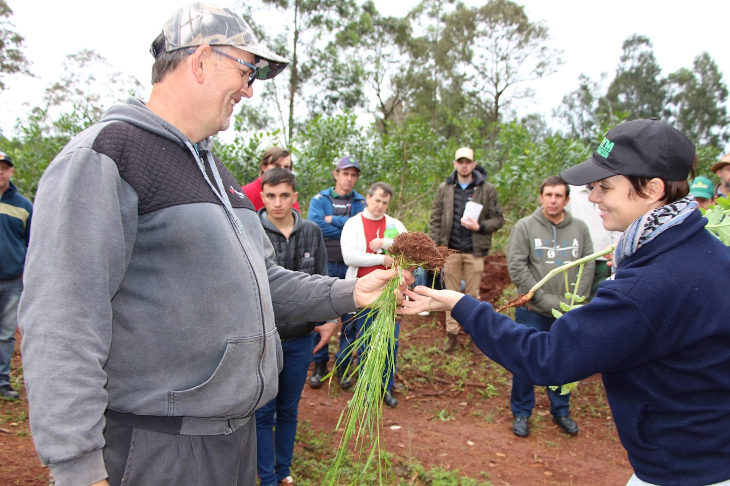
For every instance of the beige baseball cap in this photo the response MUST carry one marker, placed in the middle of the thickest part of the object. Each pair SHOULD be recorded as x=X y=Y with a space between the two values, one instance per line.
x=464 y=153
x=724 y=160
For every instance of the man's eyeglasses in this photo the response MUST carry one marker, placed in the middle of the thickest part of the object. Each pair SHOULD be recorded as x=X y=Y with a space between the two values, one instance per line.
x=254 y=69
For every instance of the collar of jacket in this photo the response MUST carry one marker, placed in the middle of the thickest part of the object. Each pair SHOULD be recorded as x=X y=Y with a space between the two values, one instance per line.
x=268 y=225
x=480 y=175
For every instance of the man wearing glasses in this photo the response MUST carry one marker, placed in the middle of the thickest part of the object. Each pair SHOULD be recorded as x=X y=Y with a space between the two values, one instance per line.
x=151 y=290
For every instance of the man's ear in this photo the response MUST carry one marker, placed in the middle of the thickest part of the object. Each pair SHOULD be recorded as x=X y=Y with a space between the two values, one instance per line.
x=200 y=62
x=296 y=196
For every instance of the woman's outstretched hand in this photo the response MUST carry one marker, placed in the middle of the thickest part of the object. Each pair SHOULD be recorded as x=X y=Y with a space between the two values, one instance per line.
x=424 y=298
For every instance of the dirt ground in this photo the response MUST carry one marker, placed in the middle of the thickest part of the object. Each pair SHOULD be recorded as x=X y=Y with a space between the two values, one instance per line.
x=437 y=423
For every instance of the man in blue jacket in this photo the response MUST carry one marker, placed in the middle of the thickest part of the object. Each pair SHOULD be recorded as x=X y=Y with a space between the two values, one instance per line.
x=15 y=215
x=330 y=209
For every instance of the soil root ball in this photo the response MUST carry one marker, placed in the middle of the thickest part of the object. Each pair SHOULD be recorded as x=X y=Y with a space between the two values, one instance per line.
x=418 y=248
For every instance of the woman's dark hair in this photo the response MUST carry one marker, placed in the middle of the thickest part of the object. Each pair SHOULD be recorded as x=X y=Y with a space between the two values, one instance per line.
x=673 y=190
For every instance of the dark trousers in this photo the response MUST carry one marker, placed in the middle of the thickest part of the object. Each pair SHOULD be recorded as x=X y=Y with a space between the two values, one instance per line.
x=276 y=422
x=522 y=400
x=144 y=458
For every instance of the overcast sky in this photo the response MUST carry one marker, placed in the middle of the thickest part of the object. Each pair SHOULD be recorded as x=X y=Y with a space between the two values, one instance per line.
x=589 y=33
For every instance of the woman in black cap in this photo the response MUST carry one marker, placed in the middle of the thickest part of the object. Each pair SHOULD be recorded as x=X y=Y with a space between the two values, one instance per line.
x=658 y=331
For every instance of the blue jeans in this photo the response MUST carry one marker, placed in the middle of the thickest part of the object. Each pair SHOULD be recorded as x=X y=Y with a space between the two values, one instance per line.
x=334 y=269
x=276 y=422
x=522 y=400
x=10 y=291
x=344 y=358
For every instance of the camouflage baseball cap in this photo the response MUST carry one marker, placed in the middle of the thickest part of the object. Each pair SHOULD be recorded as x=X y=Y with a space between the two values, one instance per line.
x=203 y=23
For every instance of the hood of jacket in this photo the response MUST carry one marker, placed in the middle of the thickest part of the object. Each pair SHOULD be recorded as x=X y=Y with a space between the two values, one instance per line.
x=542 y=219
x=136 y=113
x=268 y=225
x=356 y=196
x=480 y=175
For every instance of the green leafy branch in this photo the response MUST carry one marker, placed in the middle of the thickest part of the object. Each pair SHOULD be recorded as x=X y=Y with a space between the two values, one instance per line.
x=718 y=219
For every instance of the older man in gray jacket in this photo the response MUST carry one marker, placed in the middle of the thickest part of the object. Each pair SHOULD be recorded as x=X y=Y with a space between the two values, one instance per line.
x=151 y=289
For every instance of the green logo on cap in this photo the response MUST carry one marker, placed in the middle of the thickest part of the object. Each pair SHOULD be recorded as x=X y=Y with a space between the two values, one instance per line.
x=604 y=150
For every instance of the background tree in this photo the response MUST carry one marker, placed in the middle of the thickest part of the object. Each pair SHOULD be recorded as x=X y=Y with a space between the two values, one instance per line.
x=88 y=87
x=429 y=89
x=12 y=58
x=694 y=100
x=697 y=102
x=504 y=52
x=424 y=77
x=638 y=89
x=317 y=77
x=579 y=109
x=373 y=46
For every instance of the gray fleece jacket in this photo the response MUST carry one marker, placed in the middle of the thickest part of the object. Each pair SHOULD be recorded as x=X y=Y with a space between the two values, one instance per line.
x=149 y=292
x=536 y=246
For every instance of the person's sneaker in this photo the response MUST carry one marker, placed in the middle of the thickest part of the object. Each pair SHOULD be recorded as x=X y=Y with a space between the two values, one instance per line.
x=450 y=343
x=520 y=426
x=567 y=424
x=7 y=392
x=287 y=481
x=389 y=399
x=320 y=370
x=346 y=382
x=424 y=313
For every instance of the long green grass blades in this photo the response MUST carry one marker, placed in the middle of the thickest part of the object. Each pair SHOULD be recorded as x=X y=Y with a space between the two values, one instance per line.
x=362 y=418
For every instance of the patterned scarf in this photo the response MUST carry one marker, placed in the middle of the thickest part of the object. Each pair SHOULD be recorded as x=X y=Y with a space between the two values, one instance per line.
x=651 y=225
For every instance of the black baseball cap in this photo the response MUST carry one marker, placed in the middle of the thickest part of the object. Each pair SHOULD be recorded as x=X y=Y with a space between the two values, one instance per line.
x=642 y=148
x=6 y=158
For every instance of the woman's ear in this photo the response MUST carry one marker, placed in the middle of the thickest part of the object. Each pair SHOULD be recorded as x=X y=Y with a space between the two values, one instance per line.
x=655 y=190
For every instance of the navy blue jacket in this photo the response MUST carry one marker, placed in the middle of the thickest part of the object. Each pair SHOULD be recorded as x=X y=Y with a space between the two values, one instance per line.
x=321 y=206
x=660 y=335
x=15 y=215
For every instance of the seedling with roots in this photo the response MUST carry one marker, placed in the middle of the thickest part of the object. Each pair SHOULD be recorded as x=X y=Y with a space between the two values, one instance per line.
x=570 y=294
x=362 y=416
x=523 y=299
